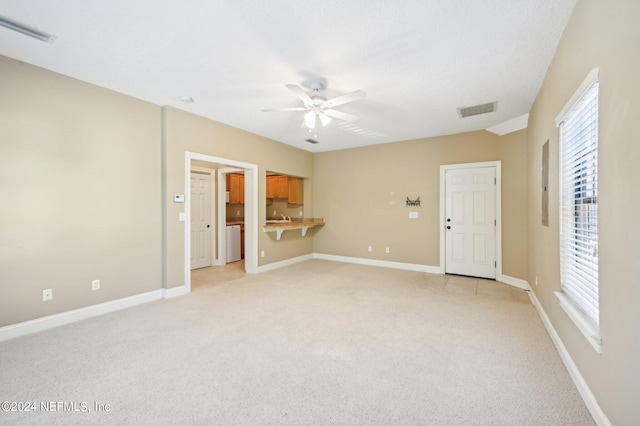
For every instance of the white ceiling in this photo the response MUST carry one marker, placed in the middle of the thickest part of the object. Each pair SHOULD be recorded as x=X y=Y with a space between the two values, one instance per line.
x=417 y=60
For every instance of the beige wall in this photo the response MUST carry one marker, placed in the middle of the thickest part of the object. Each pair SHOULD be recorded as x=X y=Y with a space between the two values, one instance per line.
x=282 y=207
x=512 y=150
x=188 y=132
x=605 y=35
x=80 y=191
x=361 y=194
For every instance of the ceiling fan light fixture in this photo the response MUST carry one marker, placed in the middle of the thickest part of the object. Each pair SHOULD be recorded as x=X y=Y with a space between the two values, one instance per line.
x=310 y=120
x=324 y=119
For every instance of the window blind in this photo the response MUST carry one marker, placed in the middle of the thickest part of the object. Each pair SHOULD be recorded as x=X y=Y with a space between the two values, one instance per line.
x=579 y=203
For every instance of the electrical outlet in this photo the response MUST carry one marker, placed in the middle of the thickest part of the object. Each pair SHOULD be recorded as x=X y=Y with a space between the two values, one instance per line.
x=300 y=213
x=275 y=213
x=369 y=249
x=47 y=294
x=95 y=285
x=387 y=250
x=262 y=253
x=536 y=280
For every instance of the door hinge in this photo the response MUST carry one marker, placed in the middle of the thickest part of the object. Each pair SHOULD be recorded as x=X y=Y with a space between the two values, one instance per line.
x=495 y=181
x=495 y=264
x=495 y=222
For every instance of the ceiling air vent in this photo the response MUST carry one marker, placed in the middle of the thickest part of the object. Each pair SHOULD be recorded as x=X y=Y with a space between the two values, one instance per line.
x=477 y=109
x=311 y=140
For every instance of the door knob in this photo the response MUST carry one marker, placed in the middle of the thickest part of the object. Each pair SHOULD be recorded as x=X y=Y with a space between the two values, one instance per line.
x=448 y=227
x=448 y=220
x=207 y=226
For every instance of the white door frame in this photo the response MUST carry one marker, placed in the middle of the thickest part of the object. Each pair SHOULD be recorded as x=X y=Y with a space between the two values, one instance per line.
x=213 y=213
x=498 y=205
x=250 y=211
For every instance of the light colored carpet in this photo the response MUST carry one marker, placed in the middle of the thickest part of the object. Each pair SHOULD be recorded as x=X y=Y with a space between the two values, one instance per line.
x=318 y=342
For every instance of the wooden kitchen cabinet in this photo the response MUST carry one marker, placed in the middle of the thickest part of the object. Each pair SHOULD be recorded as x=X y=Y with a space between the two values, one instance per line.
x=282 y=187
x=271 y=186
x=235 y=187
x=296 y=191
x=277 y=186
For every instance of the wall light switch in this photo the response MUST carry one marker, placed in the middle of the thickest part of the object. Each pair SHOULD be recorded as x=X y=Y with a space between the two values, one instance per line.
x=178 y=198
x=413 y=215
x=182 y=217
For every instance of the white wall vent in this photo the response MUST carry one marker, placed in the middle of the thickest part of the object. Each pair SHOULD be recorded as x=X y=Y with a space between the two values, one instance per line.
x=477 y=109
x=311 y=140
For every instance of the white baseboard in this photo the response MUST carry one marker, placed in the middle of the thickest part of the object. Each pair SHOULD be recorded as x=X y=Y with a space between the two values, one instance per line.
x=168 y=293
x=283 y=263
x=515 y=282
x=51 y=321
x=583 y=388
x=381 y=263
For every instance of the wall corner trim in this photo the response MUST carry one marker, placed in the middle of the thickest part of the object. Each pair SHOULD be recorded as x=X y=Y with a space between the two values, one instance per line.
x=168 y=293
x=583 y=388
x=514 y=282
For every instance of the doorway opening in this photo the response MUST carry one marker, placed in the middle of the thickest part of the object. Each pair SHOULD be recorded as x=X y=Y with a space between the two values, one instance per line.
x=222 y=167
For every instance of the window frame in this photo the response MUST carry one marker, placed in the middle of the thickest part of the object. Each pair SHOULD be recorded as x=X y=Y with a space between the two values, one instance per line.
x=588 y=325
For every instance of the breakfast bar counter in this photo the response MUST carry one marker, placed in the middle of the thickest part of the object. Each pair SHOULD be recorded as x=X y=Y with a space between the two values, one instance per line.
x=279 y=226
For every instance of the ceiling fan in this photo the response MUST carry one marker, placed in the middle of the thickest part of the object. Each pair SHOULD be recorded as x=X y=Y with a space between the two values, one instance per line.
x=318 y=107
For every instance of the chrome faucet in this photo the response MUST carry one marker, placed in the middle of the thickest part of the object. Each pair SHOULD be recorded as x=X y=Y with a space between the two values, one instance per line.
x=285 y=218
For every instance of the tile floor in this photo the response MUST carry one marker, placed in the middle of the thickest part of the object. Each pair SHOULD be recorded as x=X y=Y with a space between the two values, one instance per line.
x=213 y=275
x=483 y=288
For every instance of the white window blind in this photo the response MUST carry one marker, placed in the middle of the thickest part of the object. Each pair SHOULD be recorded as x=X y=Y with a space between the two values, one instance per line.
x=579 y=202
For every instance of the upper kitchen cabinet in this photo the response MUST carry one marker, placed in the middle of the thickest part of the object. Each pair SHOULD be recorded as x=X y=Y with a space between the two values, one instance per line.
x=296 y=190
x=277 y=186
x=235 y=188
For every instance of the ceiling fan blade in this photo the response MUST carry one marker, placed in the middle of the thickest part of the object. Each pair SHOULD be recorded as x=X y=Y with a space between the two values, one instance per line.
x=284 y=109
x=297 y=90
x=340 y=115
x=341 y=100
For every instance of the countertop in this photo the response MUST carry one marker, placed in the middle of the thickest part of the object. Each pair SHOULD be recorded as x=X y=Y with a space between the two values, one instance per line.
x=296 y=223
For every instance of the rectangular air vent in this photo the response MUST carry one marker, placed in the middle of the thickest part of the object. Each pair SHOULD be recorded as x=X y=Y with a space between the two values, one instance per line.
x=311 y=140
x=477 y=109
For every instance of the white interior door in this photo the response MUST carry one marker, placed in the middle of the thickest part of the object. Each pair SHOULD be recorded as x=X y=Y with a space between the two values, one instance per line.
x=470 y=222
x=200 y=220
